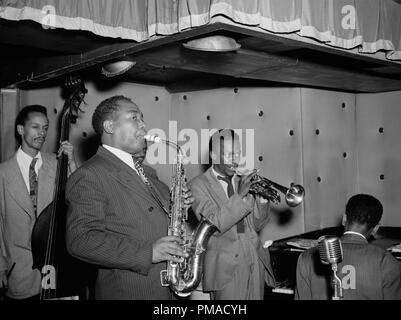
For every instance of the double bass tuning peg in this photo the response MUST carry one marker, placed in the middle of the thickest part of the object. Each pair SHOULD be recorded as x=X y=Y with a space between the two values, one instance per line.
x=72 y=81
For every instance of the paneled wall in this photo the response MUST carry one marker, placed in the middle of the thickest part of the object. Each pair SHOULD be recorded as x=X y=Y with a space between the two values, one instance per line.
x=273 y=116
x=330 y=142
x=379 y=151
x=329 y=155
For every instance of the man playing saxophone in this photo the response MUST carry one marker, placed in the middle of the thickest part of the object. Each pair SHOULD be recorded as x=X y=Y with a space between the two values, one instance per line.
x=236 y=266
x=117 y=209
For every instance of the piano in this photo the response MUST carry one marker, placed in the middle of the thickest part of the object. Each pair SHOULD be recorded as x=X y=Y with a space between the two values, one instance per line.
x=284 y=256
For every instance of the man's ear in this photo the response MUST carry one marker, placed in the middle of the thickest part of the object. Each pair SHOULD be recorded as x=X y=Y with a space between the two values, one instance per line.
x=374 y=231
x=213 y=156
x=20 y=129
x=344 y=220
x=108 y=126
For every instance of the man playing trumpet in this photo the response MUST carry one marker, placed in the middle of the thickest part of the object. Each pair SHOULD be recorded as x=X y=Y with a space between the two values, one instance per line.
x=236 y=265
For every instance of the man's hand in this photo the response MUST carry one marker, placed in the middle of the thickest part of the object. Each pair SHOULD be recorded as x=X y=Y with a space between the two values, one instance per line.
x=188 y=198
x=168 y=248
x=67 y=148
x=245 y=184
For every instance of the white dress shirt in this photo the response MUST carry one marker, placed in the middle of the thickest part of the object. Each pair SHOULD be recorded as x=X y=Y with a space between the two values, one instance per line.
x=24 y=161
x=223 y=183
x=123 y=156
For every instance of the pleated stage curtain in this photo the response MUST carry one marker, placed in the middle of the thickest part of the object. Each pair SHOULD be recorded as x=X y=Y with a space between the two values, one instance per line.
x=368 y=25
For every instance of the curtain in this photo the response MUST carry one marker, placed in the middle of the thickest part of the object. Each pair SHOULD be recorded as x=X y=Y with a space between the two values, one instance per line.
x=368 y=25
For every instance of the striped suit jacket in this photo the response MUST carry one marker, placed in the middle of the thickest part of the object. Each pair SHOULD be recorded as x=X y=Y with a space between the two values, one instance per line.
x=112 y=221
x=367 y=272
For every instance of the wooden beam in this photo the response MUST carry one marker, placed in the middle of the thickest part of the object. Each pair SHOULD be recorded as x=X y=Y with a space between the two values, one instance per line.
x=22 y=72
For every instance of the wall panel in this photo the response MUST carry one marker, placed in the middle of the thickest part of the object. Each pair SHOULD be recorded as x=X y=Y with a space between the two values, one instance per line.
x=379 y=151
x=9 y=108
x=328 y=122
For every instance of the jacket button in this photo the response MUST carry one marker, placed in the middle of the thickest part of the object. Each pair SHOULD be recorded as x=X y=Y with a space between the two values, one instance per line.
x=236 y=255
x=150 y=209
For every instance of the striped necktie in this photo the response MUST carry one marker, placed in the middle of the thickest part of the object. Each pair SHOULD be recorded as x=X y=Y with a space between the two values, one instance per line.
x=230 y=192
x=33 y=184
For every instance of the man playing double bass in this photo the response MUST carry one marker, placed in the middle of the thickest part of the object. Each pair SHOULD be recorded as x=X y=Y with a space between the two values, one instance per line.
x=26 y=188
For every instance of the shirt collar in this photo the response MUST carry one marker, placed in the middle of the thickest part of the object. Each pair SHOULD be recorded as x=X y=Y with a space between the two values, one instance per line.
x=26 y=158
x=122 y=155
x=216 y=174
x=355 y=233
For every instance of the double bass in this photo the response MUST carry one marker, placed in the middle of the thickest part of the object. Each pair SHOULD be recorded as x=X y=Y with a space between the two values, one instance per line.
x=62 y=275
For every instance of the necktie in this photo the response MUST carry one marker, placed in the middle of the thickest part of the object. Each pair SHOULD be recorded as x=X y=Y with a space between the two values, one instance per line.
x=33 y=184
x=230 y=192
x=144 y=178
x=141 y=173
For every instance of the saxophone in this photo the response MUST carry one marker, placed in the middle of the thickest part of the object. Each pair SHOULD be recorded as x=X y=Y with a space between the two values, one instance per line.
x=184 y=277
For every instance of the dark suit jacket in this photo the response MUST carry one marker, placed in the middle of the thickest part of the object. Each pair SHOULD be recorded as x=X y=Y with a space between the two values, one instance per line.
x=17 y=218
x=377 y=273
x=112 y=221
x=222 y=256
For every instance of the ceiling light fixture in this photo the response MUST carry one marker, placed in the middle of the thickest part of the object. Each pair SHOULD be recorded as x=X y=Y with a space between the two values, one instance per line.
x=213 y=44
x=116 y=68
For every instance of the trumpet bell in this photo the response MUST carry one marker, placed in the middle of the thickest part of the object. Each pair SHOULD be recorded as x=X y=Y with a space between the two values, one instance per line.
x=295 y=195
x=268 y=189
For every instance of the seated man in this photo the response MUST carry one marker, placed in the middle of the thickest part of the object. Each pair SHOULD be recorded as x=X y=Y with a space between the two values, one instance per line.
x=366 y=271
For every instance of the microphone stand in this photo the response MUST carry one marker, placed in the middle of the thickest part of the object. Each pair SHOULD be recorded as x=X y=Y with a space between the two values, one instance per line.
x=336 y=284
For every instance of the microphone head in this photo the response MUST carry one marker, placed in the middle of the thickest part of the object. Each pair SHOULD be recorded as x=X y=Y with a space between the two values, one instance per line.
x=330 y=249
x=152 y=138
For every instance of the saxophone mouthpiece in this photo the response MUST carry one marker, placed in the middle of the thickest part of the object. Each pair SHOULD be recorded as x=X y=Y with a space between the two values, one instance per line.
x=152 y=138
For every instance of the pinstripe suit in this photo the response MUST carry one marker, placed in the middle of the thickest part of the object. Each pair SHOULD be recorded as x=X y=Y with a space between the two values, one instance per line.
x=17 y=218
x=112 y=221
x=377 y=273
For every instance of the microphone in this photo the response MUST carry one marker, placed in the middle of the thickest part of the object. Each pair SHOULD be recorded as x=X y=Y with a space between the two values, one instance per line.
x=330 y=249
x=331 y=252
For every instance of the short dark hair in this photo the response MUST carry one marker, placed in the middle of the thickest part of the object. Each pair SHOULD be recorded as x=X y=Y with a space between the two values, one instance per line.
x=364 y=209
x=105 y=111
x=23 y=116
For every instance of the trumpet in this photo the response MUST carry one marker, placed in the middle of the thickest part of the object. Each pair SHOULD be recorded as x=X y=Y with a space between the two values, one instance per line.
x=268 y=189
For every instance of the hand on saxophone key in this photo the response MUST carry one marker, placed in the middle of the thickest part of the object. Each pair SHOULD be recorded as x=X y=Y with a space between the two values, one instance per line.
x=168 y=248
x=188 y=198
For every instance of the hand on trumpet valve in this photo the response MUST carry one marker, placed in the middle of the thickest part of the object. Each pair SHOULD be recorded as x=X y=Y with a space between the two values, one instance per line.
x=246 y=183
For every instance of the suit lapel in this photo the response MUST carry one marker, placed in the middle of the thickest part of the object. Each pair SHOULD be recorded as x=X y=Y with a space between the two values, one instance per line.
x=17 y=188
x=125 y=175
x=216 y=186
